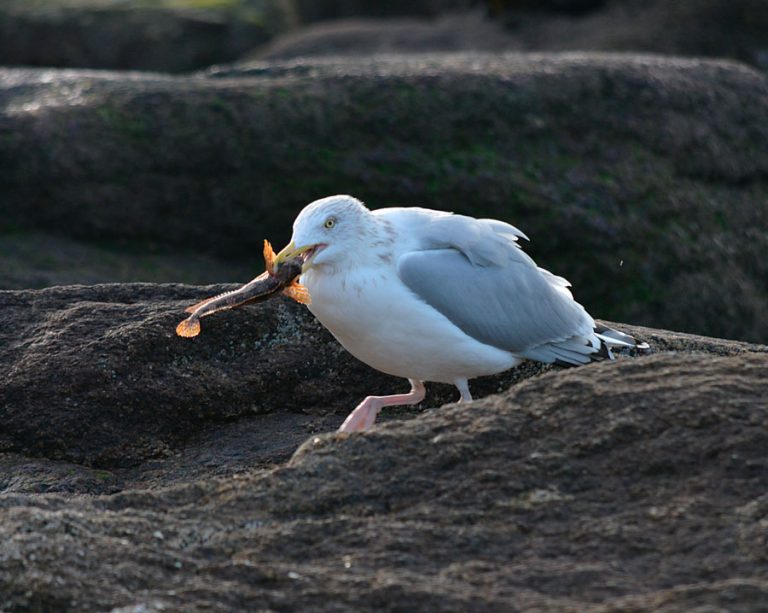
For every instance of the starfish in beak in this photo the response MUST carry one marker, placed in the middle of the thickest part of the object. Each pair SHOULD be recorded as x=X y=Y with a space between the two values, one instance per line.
x=271 y=282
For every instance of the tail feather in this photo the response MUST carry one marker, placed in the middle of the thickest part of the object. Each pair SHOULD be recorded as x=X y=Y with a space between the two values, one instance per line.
x=613 y=339
x=572 y=352
x=578 y=350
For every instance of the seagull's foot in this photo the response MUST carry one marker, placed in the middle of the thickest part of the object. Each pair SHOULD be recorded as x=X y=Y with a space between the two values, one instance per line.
x=364 y=415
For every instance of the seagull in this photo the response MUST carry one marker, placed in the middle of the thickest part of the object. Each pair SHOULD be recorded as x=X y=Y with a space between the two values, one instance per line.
x=434 y=296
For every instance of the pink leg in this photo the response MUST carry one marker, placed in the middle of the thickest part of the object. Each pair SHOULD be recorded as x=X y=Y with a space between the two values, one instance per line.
x=365 y=413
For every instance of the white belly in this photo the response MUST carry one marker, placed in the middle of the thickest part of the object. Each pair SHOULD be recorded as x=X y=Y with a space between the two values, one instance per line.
x=382 y=323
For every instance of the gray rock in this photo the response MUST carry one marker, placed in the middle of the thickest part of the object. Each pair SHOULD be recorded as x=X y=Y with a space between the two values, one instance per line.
x=172 y=36
x=34 y=260
x=640 y=179
x=357 y=37
x=85 y=366
x=632 y=485
x=736 y=29
x=315 y=10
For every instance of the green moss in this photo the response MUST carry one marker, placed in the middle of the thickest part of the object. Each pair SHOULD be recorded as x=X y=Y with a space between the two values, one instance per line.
x=721 y=220
x=607 y=179
x=103 y=475
x=129 y=125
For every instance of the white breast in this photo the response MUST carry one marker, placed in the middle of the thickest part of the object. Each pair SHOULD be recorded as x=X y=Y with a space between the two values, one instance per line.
x=382 y=323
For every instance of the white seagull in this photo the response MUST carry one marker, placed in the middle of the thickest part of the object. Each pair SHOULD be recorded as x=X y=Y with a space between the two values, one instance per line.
x=432 y=296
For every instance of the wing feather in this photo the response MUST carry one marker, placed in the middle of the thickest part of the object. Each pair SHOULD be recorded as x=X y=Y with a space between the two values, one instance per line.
x=475 y=273
x=501 y=299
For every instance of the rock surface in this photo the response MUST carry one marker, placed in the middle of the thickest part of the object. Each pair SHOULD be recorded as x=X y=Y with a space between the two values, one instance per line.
x=140 y=471
x=357 y=37
x=157 y=475
x=736 y=29
x=717 y=28
x=85 y=365
x=317 y=10
x=642 y=180
x=33 y=260
x=164 y=35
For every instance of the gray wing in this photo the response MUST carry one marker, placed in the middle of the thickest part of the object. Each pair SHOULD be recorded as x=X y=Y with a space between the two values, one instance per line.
x=512 y=305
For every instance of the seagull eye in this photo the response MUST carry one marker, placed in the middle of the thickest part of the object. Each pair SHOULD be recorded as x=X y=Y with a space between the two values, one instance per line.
x=330 y=222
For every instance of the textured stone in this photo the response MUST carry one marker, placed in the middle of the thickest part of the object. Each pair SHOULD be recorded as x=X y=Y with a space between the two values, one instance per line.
x=162 y=35
x=640 y=179
x=632 y=485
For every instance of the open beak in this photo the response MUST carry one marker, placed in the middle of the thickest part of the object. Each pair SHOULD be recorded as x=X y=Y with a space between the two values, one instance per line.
x=291 y=252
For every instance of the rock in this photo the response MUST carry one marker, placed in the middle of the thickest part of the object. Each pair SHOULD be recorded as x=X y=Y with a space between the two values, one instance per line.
x=90 y=364
x=83 y=362
x=631 y=485
x=716 y=28
x=33 y=260
x=357 y=37
x=87 y=365
x=25 y=475
x=735 y=29
x=568 y=7
x=315 y=10
x=640 y=179
x=173 y=36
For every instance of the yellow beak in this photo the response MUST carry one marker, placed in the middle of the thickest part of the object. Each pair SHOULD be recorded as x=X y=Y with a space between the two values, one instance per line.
x=289 y=252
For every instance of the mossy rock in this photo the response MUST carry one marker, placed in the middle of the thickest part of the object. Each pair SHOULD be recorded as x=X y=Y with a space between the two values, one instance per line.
x=168 y=35
x=641 y=179
x=735 y=29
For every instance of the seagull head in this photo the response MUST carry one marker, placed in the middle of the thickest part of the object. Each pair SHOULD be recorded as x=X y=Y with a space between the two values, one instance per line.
x=327 y=232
